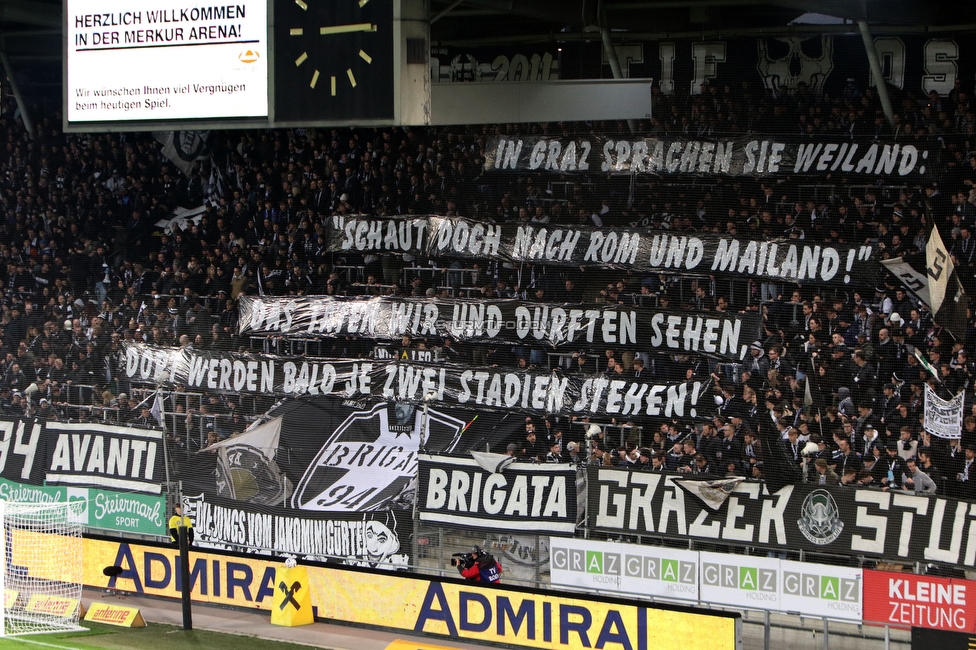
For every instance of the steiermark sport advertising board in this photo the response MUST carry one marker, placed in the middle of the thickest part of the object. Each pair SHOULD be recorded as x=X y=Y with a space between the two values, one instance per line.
x=141 y=514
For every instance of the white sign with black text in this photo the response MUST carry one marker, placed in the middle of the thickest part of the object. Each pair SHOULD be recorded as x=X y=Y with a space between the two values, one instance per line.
x=943 y=418
x=165 y=60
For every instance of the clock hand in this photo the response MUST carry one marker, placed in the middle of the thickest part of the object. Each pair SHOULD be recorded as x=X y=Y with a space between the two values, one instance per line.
x=346 y=29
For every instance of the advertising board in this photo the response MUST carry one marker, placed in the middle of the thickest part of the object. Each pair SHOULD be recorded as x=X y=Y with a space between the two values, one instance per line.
x=505 y=615
x=909 y=600
x=116 y=511
x=521 y=617
x=647 y=571
x=165 y=60
x=154 y=571
x=781 y=585
x=924 y=638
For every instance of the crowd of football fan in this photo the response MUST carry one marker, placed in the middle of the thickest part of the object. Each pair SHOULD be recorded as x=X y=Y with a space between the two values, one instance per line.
x=85 y=267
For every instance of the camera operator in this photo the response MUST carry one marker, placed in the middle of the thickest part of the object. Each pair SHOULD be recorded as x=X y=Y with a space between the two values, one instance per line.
x=479 y=566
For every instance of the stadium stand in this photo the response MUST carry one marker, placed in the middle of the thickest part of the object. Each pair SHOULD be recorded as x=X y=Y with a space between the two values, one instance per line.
x=92 y=257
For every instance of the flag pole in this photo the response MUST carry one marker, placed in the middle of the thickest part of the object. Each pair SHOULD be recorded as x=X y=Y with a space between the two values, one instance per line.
x=158 y=413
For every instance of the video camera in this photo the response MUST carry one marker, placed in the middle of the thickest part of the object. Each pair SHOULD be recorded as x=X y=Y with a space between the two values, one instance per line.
x=464 y=560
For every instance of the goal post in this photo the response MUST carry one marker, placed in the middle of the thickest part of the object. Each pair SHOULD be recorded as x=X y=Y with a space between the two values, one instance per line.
x=42 y=578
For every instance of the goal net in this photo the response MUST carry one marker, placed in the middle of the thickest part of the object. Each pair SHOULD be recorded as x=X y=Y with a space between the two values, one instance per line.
x=42 y=577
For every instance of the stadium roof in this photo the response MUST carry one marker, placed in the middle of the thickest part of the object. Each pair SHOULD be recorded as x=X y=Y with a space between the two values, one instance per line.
x=31 y=30
x=495 y=21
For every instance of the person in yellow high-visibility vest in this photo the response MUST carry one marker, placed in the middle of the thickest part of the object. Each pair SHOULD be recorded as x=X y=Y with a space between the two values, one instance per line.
x=174 y=525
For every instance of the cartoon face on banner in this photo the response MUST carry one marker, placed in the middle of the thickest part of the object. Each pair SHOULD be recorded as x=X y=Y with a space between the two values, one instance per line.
x=370 y=539
x=786 y=62
x=381 y=543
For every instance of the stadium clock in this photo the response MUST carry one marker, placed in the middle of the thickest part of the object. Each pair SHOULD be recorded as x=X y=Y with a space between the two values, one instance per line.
x=333 y=60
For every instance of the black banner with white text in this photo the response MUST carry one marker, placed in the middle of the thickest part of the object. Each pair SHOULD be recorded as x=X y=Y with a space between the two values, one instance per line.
x=364 y=234
x=530 y=497
x=716 y=334
x=732 y=157
x=636 y=249
x=895 y=525
x=123 y=459
x=652 y=251
x=487 y=388
x=104 y=456
x=376 y=539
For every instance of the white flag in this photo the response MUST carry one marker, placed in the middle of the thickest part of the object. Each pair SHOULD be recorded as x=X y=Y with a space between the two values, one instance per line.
x=157 y=409
x=913 y=276
x=182 y=148
x=494 y=463
x=938 y=267
x=712 y=493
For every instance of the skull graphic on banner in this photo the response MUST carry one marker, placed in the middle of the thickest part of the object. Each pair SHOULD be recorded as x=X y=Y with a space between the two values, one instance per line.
x=799 y=62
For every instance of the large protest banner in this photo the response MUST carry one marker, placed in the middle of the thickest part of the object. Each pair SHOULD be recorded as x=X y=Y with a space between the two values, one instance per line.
x=730 y=157
x=405 y=235
x=894 y=526
x=722 y=335
x=652 y=251
x=324 y=478
x=488 y=388
x=636 y=249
